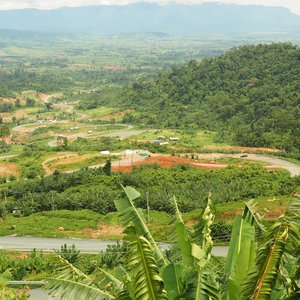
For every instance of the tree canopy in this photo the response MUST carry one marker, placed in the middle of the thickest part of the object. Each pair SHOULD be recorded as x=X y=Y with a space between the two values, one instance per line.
x=250 y=95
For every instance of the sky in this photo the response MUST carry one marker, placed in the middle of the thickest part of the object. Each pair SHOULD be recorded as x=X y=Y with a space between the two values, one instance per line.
x=293 y=5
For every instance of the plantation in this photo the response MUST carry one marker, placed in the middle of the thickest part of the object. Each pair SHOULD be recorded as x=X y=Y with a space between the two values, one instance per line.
x=91 y=189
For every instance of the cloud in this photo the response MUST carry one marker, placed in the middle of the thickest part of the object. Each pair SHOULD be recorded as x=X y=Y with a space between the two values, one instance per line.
x=293 y=5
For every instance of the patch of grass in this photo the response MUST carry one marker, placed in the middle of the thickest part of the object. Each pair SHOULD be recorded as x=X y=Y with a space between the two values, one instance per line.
x=189 y=140
x=238 y=161
x=99 y=111
x=268 y=207
x=46 y=224
x=85 y=162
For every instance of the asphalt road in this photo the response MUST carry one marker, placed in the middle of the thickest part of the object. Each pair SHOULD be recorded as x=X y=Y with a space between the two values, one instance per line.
x=7 y=156
x=51 y=244
x=293 y=168
x=85 y=246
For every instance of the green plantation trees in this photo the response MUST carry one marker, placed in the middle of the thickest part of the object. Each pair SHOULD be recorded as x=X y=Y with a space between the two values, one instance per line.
x=262 y=262
x=4 y=132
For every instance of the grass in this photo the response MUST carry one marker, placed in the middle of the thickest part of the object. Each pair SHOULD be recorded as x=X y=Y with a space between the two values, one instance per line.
x=99 y=112
x=186 y=139
x=73 y=163
x=47 y=224
x=239 y=161
x=269 y=207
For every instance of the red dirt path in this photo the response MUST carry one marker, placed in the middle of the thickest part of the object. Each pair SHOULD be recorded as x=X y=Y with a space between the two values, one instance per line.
x=168 y=161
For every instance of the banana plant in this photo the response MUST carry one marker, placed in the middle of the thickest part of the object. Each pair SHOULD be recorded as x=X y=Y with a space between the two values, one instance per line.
x=10 y=293
x=262 y=263
x=282 y=239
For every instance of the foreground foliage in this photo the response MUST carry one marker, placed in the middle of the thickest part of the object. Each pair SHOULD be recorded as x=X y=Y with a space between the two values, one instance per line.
x=262 y=262
x=10 y=293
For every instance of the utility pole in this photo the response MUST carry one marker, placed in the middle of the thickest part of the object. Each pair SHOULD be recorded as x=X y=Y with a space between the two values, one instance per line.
x=148 y=207
x=52 y=200
x=132 y=162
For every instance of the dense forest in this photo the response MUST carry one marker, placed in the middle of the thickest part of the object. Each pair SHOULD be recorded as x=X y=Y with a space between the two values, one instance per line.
x=250 y=95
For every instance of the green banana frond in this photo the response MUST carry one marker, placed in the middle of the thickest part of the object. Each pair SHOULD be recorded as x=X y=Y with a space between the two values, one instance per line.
x=287 y=283
x=70 y=283
x=68 y=271
x=107 y=282
x=202 y=232
x=5 y=278
x=262 y=277
x=241 y=253
x=147 y=283
x=277 y=261
x=176 y=281
x=129 y=215
x=205 y=286
x=190 y=253
x=71 y=290
x=293 y=209
x=253 y=216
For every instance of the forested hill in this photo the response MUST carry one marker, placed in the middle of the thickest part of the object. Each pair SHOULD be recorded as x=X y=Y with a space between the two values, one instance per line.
x=250 y=95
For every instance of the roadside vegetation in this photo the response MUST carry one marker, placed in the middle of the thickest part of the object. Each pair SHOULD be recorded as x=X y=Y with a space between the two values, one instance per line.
x=188 y=270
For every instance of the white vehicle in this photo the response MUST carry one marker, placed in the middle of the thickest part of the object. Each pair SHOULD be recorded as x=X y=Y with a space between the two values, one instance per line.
x=105 y=152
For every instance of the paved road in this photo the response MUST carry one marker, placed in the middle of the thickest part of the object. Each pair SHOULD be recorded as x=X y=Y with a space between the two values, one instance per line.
x=84 y=245
x=7 y=156
x=275 y=162
x=120 y=133
x=293 y=168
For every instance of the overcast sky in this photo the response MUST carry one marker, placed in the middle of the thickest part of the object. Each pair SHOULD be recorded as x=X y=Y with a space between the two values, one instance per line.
x=293 y=5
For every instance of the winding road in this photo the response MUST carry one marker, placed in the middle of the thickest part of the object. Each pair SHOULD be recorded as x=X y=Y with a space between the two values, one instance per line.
x=274 y=162
x=293 y=168
x=84 y=245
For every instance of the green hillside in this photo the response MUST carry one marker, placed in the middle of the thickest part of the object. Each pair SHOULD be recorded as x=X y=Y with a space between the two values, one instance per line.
x=250 y=95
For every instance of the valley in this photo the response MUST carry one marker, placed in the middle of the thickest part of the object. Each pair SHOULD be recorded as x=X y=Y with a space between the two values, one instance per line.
x=104 y=135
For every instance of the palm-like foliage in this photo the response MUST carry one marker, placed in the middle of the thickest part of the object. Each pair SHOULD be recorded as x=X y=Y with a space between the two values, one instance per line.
x=271 y=272
x=147 y=283
x=281 y=239
x=71 y=283
x=129 y=215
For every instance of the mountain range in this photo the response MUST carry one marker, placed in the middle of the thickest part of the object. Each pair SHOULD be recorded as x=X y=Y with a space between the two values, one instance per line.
x=201 y=19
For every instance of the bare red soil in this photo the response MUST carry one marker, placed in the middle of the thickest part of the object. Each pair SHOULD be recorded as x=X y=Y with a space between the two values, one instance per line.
x=168 y=161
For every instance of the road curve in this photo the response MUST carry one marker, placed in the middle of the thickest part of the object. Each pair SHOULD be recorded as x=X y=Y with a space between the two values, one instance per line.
x=275 y=162
x=84 y=245
x=293 y=168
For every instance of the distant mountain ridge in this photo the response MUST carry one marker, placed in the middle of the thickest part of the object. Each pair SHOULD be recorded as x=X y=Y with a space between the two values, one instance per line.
x=201 y=19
